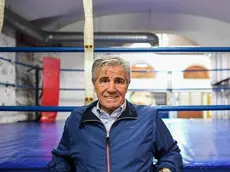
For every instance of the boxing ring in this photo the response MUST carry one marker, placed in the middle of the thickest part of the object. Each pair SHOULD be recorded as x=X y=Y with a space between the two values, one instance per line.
x=27 y=146
x=204 y=143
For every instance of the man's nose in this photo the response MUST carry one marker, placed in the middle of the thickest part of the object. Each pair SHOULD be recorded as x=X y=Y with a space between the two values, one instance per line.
x=111 y=87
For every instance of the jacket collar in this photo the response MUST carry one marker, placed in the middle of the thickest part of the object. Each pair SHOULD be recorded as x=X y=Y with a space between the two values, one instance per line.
x=128 y=113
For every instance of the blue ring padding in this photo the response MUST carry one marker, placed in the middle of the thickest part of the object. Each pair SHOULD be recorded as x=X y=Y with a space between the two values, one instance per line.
x=209 y=156
x=71 y=108
x=80 y=49
x=42 y=166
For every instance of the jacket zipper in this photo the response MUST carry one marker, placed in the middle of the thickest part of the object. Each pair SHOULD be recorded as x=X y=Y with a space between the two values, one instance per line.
x=108 y=143
x=108 y=151
x=108 y=140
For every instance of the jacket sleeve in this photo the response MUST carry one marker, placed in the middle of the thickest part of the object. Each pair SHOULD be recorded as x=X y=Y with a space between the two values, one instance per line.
x=167 y=151
x=61 y=161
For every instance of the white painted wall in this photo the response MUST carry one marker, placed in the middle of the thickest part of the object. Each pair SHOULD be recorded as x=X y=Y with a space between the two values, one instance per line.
x=221 y=97
x=73 y=80
x=7 y=75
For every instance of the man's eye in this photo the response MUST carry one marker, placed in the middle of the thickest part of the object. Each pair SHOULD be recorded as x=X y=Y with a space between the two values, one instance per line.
x=104 y=81
x=119 y=81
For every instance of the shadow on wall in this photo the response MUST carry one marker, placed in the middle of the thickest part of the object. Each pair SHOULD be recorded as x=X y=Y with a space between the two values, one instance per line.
x=26 y=77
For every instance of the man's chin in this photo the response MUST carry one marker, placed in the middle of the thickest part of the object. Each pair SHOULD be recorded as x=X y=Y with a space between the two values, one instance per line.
x=112 y=102
x=112 y=107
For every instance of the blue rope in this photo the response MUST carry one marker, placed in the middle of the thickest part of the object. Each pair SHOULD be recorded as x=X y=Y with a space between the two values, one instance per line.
x=149 y=90
x=18 y=86
x=71 y=108
x=102 y=49
x=139 y=71
x=19 y=63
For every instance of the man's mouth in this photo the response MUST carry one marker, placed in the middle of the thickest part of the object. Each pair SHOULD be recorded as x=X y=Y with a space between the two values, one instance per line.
x=111 y=97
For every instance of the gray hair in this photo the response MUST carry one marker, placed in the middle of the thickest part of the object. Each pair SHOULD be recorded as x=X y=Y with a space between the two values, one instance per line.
x=110 y=61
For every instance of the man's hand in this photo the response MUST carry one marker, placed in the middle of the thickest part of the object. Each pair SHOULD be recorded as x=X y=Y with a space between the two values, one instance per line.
x=164 y=170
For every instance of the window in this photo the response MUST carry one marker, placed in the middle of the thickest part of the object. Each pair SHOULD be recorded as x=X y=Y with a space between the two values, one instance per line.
x=142 y=70
x=199 y=72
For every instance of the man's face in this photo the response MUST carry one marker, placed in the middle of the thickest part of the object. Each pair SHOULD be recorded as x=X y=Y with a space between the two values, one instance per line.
x=111 y=87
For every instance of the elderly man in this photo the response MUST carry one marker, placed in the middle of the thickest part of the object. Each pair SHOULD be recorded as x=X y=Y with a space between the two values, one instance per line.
x=113 y=135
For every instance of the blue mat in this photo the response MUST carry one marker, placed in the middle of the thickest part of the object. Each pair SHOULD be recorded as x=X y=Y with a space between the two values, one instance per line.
x=205 y=145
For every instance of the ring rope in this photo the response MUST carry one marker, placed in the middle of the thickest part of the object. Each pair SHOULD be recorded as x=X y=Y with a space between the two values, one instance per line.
x=139 y=71
x=71 y=108
x=116 y=49
x=221 y=88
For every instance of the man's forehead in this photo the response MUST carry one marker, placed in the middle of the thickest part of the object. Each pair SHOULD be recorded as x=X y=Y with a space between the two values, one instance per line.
x=108 y=76
x=110 y=70
x=111 y=67
x=114 y=77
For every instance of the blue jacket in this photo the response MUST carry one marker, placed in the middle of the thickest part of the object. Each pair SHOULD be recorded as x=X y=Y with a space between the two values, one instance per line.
x=137 y=136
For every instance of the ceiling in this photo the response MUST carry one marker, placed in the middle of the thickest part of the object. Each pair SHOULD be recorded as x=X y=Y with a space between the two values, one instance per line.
x=48 y=11
x=206 y=22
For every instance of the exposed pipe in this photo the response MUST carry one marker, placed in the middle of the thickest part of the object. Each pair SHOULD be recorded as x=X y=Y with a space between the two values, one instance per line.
x=122 y=37
x=45 y=37
x=23 y=26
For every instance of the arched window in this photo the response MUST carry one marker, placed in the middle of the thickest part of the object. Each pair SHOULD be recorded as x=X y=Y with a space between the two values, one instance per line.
x=200 y=72
x=194 y=72
x=142 y=70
